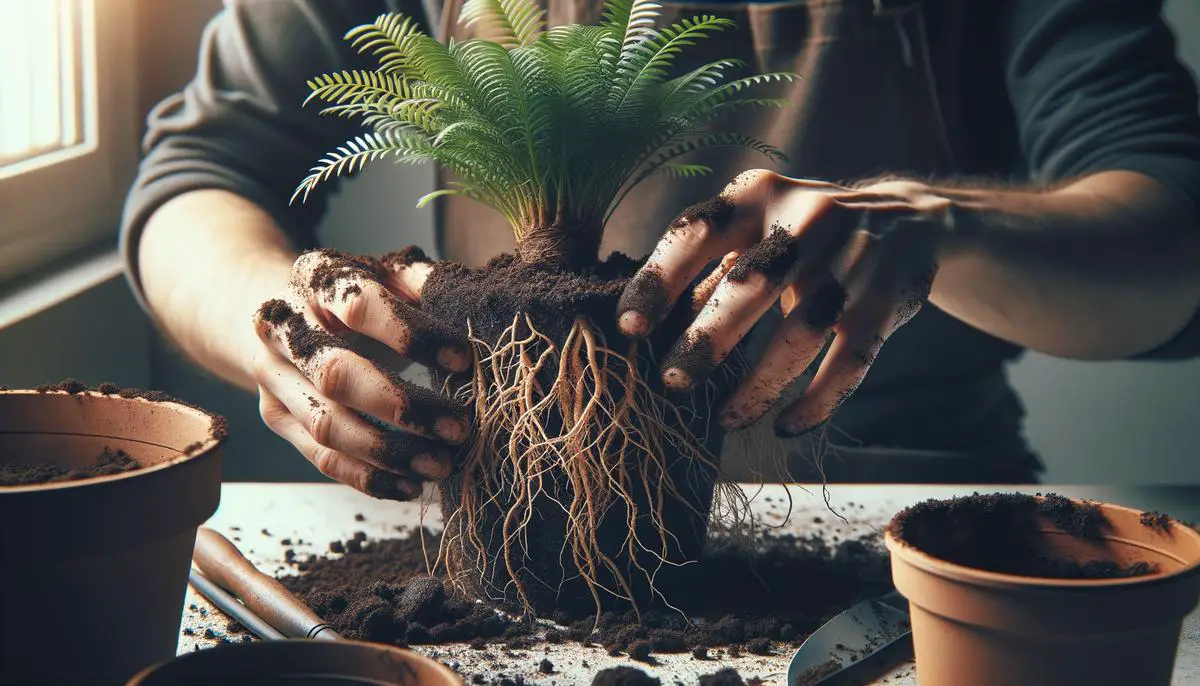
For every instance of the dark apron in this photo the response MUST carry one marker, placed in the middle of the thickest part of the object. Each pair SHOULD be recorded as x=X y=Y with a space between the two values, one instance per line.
x=936 y=406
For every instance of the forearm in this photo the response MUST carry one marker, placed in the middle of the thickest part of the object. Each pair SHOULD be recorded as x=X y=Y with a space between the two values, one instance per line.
x=207 y=260
x=1106 y=267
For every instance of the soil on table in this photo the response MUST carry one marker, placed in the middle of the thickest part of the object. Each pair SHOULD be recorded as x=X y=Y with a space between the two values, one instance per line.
x=999 y=532
x=736 y=598
x=109 y=462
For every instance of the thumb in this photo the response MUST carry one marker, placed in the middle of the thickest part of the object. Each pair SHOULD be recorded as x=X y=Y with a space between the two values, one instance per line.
x=406 y=271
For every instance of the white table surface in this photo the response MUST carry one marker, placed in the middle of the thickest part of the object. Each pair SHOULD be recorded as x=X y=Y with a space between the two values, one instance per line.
x=320 y=513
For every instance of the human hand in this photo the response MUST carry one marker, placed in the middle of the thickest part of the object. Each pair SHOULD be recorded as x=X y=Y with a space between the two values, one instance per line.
x=311 y=381
x=854 y=263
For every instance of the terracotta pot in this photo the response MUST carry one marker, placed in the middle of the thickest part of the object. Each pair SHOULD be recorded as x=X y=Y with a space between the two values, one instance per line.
x=93 y=572
x=989 y=629
x=300 y=662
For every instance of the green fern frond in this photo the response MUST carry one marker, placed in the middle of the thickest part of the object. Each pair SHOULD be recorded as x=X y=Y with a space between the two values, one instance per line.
x=548 y=126
x=355 y=153
x=510 y=23
x=388 y=40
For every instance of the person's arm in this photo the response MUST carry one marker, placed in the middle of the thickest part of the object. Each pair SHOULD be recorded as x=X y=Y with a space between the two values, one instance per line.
x=1098 y=258
x=1106 y=263
x=238 y=127
x=208 y=260
x=213 y=251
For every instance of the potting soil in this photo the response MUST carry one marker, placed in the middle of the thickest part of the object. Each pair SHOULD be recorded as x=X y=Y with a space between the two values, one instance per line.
x=109 y=462
x=735 y=597
x=999 y=532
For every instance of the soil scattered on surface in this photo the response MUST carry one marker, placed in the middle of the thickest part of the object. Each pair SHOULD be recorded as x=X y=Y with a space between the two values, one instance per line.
x=773 y=258
x=109 y=462
x=999 y=533
x=380 y=590
x=815 y=674
x=624 y=676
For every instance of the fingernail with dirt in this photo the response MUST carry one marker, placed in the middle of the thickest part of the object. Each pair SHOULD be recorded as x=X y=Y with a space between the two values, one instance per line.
x=387 y=486
x=691 y=361
x=794 y=429
x=450 y=429
x=643 y=303
x=635 y=324
x=454 y=359
x=430 y=467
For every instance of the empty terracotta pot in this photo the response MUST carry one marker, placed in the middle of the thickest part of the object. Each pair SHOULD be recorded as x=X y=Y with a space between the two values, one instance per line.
x=93 y=572
x=300 y=663
x=983 y=628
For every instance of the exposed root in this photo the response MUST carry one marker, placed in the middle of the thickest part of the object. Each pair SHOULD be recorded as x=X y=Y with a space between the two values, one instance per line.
x=576 y=431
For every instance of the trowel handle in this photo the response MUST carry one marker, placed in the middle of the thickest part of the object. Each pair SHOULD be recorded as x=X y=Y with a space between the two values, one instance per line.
x=220 y=560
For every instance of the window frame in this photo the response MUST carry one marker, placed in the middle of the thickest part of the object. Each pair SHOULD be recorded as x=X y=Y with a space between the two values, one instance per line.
x=61 y=202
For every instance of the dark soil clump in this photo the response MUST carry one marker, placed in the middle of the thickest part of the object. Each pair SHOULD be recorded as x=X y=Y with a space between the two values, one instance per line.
x=723 y=677
x=1156 y=520
x=1000 y=533
x=108 y=463
x=624 y=676
x=550 y=297
x=773 y=258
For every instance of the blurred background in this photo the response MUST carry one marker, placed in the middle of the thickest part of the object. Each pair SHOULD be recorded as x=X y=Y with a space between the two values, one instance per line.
x=77 y=78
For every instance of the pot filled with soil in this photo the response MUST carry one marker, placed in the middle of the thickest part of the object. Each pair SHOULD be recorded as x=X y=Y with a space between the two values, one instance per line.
x=101 y=493
x=585 y=482
x=1018 y=589
x=300 y=663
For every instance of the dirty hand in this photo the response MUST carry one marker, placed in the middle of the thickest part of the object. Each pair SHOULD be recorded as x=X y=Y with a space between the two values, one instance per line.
x=311 y=381
x=855 y=263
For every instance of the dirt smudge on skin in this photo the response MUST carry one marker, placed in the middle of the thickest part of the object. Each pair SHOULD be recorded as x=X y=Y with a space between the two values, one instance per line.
x=716 y=211
x=774 y=258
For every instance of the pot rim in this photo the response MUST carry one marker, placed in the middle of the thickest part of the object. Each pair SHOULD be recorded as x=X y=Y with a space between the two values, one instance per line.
x=980 y=577
x=436 y=666
x=206 y=446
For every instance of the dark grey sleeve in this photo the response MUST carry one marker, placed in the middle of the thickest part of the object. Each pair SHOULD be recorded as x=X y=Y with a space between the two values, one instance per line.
x=1097 y=86
x=239 y=125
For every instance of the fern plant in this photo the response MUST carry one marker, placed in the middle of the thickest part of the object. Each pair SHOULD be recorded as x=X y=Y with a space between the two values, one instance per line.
x=549 y=127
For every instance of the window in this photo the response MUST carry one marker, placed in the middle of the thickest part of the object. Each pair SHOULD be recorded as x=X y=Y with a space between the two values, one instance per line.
x=68 y=126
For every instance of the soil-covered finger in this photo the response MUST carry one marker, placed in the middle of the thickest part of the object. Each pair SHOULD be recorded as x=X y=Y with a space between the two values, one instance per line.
x=327 y=423
x=293 y=331
x=349 y=379
x=427 y=412
x=790 y=353
x=698 y=236
x=691 y=360
x=353 y=290
x=850 y=357
x=407 y=453
x=340 y=467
